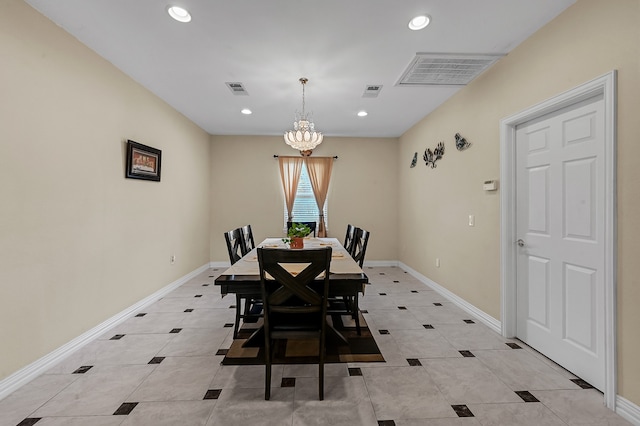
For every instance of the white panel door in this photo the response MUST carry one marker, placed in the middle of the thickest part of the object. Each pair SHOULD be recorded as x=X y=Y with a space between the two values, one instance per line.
x=560 y=227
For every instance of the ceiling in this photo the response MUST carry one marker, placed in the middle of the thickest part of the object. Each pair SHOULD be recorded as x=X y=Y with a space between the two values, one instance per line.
x=341 y=46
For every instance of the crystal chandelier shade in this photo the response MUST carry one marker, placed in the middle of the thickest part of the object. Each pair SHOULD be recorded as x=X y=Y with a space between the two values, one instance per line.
x=303 y=137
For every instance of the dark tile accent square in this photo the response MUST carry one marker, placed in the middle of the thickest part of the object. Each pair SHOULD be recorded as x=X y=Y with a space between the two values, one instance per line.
x=205 y=285
x=462 y=411
x=198 y=295
x=355 y=372
x=384 y=331
x=526 y=396
x=414 y=362
x=364 y=311
x=83 y=369
x=117 y=337
x=125 y=409
x=582 y=383
x=402 y=308
x=212 y=394
x=232 y=306
x=428 y=326
x=469 y=321
x=396 y=281
x=386 y=423
x=467 y=354
x=381 y=273
x=222 y=352
x=156 y=360
x=514 y=345
x=414 y=291
x=288 y=382
x=437 y=304
x=188 y=310
x=140 y=315
x=382 y=294
x=228 y=324
x=175 y=330
x=29 y=421
x=212 y=276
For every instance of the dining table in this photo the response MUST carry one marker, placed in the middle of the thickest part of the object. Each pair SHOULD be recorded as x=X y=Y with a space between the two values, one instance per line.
x=346 y=278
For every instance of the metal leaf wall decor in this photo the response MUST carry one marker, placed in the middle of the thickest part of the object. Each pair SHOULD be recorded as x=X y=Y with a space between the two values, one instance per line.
x=415 y=160
x=431 y=157
x=461 y=143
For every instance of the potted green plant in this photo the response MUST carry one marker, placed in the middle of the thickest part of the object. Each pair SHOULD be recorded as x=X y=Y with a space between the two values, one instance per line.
x=296 y=234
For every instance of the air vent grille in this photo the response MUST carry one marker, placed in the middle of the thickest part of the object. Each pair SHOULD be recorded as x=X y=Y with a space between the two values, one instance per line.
x=428 y=69
x=237 y=88
x=372 y=90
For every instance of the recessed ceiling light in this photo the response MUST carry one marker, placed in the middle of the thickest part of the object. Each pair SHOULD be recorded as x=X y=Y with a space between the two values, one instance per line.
x=362 y=113
x=419 y=22
x=246 y=111
x=179 y=14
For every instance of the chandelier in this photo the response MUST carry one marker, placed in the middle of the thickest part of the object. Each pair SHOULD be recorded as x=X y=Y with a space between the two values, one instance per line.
x=303 y=137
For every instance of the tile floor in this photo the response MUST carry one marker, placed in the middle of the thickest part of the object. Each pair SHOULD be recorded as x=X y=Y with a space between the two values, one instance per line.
x=442 y=369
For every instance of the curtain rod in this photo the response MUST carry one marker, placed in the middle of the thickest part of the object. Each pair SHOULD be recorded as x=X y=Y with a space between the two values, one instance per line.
x=335 y=157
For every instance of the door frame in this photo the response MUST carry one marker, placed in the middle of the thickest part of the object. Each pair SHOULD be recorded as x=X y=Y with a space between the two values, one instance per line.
x=605 y=86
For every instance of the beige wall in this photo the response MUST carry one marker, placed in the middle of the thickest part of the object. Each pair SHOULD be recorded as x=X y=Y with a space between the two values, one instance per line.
x=588 y=40
x=79 y=242
x=246 y=188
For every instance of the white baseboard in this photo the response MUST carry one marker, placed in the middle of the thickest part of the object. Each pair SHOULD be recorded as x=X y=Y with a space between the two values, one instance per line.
x=628 y=410
x=224 y=265
x=482 y=316
x=380 y=263
x=31 y=371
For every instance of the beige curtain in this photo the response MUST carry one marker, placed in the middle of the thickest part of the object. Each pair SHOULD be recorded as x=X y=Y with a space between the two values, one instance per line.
x=319 y=169
x=290 y=169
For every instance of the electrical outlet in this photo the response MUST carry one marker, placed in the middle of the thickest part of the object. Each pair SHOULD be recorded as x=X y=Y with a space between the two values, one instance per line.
x=472 y=220
x=173 y=259
x=437 y=262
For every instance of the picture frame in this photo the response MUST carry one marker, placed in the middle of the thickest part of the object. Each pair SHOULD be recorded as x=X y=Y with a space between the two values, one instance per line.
x=143 y=162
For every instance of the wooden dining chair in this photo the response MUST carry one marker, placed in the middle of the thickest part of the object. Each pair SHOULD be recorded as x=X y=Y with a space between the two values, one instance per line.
x=252 y=303
x=293 y=307
x=237 y=249
x=235 y=244
x=349 y=238
x=345 y=305
x=360 y=241
x=247 y=237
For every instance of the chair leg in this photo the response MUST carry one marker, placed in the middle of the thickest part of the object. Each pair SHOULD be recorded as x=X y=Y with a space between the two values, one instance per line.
x=267 y=383
x=267 y=371
x=321 y=365
x=356 y=314
x=236 y=325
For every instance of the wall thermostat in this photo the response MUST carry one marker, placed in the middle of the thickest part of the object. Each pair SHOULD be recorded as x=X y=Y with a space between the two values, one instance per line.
x=490 y=185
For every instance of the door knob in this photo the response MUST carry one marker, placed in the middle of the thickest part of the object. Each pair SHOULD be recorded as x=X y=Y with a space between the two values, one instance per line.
x=520 y=242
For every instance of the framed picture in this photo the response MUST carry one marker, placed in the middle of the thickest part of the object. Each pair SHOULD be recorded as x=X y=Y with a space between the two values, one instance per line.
x=143 y=162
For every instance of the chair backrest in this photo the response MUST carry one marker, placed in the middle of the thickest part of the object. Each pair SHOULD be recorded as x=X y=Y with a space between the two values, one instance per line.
x=349 y=238
x=361 y=239
x=235 y=244
x=247 y=237
x=289 y=289
x=311 y=225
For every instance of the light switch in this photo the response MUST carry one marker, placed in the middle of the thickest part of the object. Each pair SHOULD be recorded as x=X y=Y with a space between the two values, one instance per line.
x=472 y=220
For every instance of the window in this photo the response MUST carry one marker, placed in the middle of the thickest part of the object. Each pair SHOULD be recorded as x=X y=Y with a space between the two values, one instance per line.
x=305 y=208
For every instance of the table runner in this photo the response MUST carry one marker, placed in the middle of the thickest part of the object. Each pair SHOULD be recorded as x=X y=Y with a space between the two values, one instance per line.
x=341 y=261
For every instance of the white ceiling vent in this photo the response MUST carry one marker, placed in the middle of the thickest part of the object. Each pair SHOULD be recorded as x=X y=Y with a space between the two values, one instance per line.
x=237 y=89
x=372 y=90
x=428 y=69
